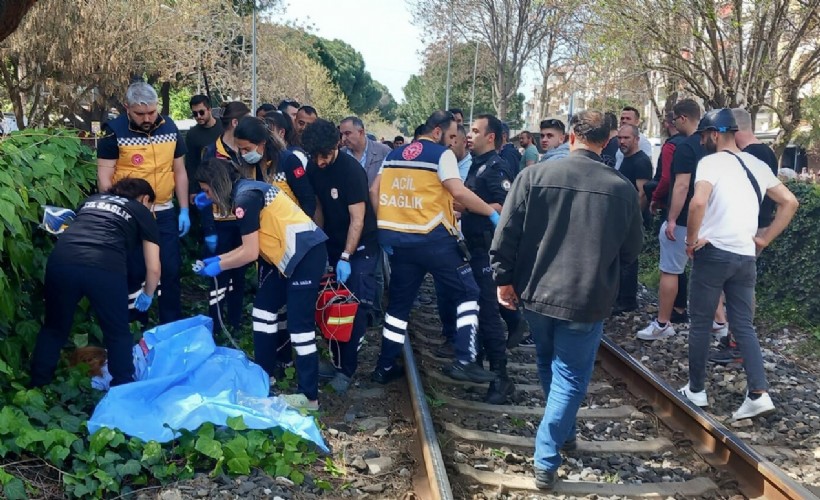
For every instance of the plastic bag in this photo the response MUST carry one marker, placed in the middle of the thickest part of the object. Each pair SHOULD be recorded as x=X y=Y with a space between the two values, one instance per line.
x=190 y=381
x=57 y=219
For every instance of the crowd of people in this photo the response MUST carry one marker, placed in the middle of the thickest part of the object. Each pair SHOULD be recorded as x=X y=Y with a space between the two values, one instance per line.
x=515 y=240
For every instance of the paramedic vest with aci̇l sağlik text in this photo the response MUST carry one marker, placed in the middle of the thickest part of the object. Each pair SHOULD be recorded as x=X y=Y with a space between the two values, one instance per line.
x=414 y=206
x=286 y=233
x=147 y=155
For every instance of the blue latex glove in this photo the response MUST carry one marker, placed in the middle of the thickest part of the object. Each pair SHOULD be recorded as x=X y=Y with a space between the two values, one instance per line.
x=202 y=201
x=210 y=242
x=494 y=218
x=342 y=270
x=143 y=301
x=184 y=222
x=211 y=268
x=387 y=249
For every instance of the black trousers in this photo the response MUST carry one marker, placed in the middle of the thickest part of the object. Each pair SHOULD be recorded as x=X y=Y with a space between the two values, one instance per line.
x=108 y=293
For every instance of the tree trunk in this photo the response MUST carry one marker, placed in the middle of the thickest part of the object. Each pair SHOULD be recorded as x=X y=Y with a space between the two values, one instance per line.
x=11 y=13
x=165 y=97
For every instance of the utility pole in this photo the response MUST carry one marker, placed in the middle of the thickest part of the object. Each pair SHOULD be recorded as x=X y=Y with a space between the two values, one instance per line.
x=449 y=61
x=253 y=59
x=472 y=92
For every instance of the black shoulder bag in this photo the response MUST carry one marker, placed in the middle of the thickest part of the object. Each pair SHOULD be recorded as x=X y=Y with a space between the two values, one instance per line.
x=751 y=177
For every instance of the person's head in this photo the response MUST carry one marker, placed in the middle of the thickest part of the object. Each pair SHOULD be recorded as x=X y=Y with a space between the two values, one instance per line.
x=264 y=109
x=630 y=116
x=389 y=144
x=320 y=140
x=687 y=115
x=525 y=138
x=398 y=141
x=669 y=124
x=588 y=130
x=353 y=134
x=280 y=126
x=440 y=127
x=552 y=133
x=92 y=356
x=612 y=123
x=458 y=114
x=289 y=107
x=255 y=141
x=216 y=178
x=417 y=132
x=304 y=117
x=505 y=134
x=201 y=109
x=134 y=188
x=743 y=119
x=717 y=129
x=141 y=105
x=232 y=112
x=459 y=146
x=485 y=134
x=629 y=139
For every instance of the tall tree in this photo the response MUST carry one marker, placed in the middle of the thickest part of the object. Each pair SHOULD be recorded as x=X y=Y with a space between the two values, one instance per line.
x=511 y=29
x=11 y=13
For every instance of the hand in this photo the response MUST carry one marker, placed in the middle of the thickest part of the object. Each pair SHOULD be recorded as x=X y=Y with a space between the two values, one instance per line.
x=458 y=207
x=387 y=249
x=760 y=243
x=202 y=201
x=507 y=297
x=210 y=242
x=653 y=207
x=670 y=230
x=211 y=267
x=184 y=222
x=342 y=270
x=691 y=249
x=494 y=218
x=143 y=301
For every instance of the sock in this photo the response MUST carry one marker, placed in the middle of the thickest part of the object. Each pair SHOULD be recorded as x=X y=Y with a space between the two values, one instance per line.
x=754 y=396
x=658 y=321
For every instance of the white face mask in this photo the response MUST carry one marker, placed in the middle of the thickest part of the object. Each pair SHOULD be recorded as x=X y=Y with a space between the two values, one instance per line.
x=252 y=157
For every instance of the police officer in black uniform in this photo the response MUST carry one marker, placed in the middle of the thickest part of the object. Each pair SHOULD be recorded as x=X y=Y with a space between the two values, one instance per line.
x=490 y=179
x=89 y=260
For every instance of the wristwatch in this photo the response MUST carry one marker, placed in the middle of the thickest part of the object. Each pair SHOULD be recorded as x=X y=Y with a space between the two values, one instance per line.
x=691 y=244
x=345 y=256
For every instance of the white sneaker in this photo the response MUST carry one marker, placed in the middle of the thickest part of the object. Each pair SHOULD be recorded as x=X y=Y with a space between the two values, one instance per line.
x=300 y=402
x=719 y=331
x=697 y=398
x=753 y=408
x=656 y=332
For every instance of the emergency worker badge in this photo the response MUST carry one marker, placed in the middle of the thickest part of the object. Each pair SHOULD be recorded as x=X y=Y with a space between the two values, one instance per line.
x=334 y=193
x=412 y=151
x=239 y=212
x=137 y=159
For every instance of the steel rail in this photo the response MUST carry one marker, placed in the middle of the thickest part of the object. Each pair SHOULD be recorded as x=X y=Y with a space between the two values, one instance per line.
x=756 y=476
x=434 y=462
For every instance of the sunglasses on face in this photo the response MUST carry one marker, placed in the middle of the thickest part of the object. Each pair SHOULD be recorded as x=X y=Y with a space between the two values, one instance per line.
x=201 y=112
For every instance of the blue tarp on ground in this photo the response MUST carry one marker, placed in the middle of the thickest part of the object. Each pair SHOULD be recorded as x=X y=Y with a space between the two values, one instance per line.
x=190 y=381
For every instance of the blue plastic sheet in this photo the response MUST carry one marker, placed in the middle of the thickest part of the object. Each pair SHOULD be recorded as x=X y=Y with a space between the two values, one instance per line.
x=190 y=381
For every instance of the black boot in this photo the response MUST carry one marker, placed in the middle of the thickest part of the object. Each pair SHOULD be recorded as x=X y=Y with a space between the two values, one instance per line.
x=501 y=387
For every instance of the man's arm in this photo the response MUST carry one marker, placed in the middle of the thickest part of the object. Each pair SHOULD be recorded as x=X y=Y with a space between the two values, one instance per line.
x=697 y=208
x=354 y=231
x=661 y=192
x=631 y=247
x=181 y=182
x=374 y=193
x=786 y=208
x=504 y=248
x=105 y=174
x=467 y=198
x=679 y=193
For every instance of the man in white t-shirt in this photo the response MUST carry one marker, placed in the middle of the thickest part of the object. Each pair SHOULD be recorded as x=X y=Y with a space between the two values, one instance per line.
x=721 y=239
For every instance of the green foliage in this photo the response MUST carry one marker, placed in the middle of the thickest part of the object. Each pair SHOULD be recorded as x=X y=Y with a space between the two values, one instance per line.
x=346 y=67
x=810 y=138
x=179 y=107
x=788 y=281
x=37 y=168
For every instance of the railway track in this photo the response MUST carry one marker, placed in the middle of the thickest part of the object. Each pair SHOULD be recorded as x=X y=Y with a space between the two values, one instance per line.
x=637 y=437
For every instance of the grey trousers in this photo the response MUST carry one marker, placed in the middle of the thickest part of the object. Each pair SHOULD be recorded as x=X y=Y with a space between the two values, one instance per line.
x=715 y=271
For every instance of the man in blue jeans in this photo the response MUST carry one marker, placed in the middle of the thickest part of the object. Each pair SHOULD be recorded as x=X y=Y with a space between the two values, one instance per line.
x=564 y=268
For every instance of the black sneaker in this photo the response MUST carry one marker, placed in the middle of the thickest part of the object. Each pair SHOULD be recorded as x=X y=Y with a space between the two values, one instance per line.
x=445 y=351
x=470 y=372
x=527 y=342
x=570 y=444
x=382 y=376
x=544 y=479
x=515 y=337
x=679 y=317
x=623 y=309
x=726 y=356
x=500 y=389
x=326 y=369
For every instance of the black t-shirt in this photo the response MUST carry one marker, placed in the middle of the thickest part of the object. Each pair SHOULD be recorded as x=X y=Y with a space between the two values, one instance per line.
x=685 y=161
x=339 y=185
x=765 y=154
x=637 y=166
x=609 y=152
x=107 y=228
x=196 y=140
x=511 y=155
x=247 y=209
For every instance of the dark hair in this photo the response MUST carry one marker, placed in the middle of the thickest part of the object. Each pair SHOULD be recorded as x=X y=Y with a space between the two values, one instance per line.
x=355 y=120
x=505 y=130
x=495 y=126
x=309 y=110
x=634 y=110
x=439 y=118
x=281 y=121
x=265 y=108
x=525 y=133
x=461 y=130
x=456 y=111
x=389 y=144
x=284 y=104
x=398 y=138
x=590 y=127
x=417 y=133
x=233 y=110
x=688 y=108
x=635 y=131
x=611 y=120
x=320 y=138
x=253 y=129
x=132 y=188
x=553 y=124
x=200 y=99
x=220 y=175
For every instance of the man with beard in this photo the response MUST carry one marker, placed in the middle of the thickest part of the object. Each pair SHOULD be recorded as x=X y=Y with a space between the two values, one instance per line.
x=722 y=240
x=413 y=196
x=203 y=134
x=304 y=117
x=143 y=144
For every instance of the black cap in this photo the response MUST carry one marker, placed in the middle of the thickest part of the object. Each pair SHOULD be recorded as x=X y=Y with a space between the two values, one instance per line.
x=719 y=120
